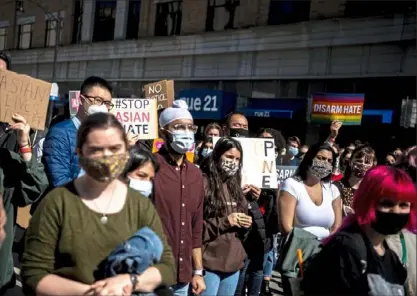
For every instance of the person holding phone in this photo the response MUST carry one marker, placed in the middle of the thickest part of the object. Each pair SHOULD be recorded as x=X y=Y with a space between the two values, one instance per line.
x=225 y=218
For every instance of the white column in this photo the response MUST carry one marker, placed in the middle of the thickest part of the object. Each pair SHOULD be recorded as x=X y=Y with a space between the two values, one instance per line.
x=87 y=25
x=122 y=10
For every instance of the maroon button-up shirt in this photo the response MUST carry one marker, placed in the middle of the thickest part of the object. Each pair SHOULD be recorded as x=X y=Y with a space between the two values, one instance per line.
x=179 y=199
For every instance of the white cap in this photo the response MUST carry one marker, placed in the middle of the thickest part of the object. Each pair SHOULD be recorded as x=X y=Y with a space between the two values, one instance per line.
x=179 y=110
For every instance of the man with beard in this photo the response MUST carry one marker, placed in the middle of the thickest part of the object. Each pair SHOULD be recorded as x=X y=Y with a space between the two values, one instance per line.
x=179 y=197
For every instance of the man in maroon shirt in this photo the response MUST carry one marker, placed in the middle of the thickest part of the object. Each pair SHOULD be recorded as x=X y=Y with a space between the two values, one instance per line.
x=179 y=197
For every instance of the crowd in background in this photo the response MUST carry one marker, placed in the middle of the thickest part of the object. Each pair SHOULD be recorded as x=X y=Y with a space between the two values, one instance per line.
x=112 y=218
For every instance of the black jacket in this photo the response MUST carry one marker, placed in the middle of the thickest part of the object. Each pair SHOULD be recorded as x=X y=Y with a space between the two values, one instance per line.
x=264 y=226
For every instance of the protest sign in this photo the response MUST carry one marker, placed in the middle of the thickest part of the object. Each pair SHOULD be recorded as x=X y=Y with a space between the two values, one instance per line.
x=158 y=143
x=284 y=172
x=259 y=166
x=162 y=91
x=74 y=101
x=138 y=116
x=24 y=95
x=327 y=107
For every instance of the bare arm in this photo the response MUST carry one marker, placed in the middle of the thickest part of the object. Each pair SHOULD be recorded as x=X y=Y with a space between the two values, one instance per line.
x=197 y=259
x=286 y=212
x=337 y=208
x=149 y=280
x=53 y=285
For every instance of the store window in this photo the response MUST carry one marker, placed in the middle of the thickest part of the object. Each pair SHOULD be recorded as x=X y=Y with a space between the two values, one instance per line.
x=76 y=29
x=168 y=18
x=104 y=21
x=133 y=18
x=221 y=14
x=51 y=31
x=3 y=38
x=25 y=36
x=288 y=11
x=354 y=8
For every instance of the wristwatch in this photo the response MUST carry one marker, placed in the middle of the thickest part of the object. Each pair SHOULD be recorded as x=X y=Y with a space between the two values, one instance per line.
x=134 y=280
x=200 y=272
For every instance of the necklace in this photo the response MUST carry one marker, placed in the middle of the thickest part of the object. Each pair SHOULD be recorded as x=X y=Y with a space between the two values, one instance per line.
x=104 y=219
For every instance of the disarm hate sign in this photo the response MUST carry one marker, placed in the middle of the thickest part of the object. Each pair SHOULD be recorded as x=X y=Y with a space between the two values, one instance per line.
x=138 y=116
x=162 y=92
x=259 y=166
x=24 y=95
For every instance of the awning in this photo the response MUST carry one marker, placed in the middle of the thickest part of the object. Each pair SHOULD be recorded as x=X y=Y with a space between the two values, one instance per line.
x=267 y=113
x=386 y=115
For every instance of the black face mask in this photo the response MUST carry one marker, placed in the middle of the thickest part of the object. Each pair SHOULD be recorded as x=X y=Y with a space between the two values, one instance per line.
x=389 y=223
x=239 y=133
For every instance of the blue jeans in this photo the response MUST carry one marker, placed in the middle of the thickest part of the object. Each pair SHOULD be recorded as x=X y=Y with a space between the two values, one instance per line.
x=181 y=289
x=219 y=283
x=254 y=270
x=269 y=263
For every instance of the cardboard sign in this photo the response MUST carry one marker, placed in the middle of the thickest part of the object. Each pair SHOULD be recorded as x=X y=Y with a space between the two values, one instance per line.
x=162 y=91
x=284 y=172
x=158 y=143
x=138 y=116
x=24 y=95
x=347 y=108
x=259 y=166
x=74 y=101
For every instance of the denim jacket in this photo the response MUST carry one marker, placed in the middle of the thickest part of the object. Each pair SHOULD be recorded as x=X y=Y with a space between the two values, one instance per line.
x=136 y=254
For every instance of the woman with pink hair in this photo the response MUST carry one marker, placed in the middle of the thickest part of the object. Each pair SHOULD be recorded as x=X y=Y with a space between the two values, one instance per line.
x=357 y=260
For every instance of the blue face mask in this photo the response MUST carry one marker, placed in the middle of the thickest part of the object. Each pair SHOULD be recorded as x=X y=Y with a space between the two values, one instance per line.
x=181 y=142
x=143 y=187
x=292 y=151
x=206 y=152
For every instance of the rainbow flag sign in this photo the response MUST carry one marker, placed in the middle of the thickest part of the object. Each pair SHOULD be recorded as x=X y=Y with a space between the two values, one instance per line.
x=347 y=108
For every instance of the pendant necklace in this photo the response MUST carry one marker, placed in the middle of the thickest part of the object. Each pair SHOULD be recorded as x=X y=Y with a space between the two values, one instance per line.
x=104 y=219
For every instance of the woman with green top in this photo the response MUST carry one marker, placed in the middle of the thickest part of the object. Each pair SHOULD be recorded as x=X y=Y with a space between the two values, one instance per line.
x=22 y=181
x=78 y=225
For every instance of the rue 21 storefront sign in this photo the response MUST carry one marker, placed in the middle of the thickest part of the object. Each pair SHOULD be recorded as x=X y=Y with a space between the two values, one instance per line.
x=208 y=103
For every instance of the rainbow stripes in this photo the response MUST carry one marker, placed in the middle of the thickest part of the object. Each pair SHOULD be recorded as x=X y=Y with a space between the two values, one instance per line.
x=347 y=108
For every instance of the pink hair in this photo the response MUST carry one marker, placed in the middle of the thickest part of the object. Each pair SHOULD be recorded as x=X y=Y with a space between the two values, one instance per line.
x=382 y=182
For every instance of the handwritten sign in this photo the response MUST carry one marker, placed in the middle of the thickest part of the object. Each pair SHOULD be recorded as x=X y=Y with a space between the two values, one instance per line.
x=284 y=172
x=138 y=116
x=347 y=108
x=259 y=166
x=74 y=101
x=162 y=91
x=158 y=143
x=24 y=95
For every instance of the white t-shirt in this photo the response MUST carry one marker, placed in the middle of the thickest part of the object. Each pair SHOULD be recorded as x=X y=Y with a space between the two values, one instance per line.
x=310 y=217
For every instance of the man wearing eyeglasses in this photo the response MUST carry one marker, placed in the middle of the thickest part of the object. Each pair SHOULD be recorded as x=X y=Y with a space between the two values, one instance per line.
x=179 y=197
x=59 y=158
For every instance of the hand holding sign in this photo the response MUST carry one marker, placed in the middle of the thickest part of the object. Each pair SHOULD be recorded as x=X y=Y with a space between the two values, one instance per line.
x=23 y=130
x=334 y=128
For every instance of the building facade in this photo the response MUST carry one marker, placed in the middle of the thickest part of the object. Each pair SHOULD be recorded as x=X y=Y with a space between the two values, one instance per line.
x=258 y=49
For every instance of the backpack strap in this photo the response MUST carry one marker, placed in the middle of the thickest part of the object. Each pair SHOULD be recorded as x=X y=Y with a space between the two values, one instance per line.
x=404 y=249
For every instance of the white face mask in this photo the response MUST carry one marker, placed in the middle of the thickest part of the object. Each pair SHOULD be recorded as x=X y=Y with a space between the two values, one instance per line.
x=182 y=142
x=143 y=187
x=97 y=109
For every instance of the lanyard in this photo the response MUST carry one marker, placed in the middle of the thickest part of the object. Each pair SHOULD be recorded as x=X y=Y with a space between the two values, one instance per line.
x=404 y=249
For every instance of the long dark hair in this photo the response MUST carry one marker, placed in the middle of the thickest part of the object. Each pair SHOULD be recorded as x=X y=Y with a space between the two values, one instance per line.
x=305 y=164
x=214 y=204
x=138 y=157
x=360 y=151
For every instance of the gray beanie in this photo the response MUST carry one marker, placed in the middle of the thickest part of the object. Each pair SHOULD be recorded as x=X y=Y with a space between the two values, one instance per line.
x=179 y=110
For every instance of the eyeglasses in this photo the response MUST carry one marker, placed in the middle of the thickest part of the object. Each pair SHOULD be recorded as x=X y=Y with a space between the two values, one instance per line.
x=100 y=101
x=184 y=127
